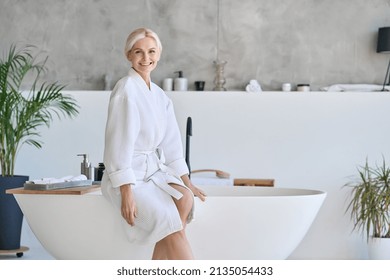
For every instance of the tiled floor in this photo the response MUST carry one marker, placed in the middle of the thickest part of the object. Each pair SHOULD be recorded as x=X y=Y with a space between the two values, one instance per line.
x=35 y=252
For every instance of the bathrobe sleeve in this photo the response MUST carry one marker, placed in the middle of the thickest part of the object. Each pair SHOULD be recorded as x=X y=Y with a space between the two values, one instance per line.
x=123 y=125
x=172 y=144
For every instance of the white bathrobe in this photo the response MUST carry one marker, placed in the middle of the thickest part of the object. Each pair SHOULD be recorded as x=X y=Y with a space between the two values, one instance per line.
x=143 y=148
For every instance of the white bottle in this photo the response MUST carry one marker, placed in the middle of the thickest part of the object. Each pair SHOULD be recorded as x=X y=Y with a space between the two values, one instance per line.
x=180 y=83
x=168 y=84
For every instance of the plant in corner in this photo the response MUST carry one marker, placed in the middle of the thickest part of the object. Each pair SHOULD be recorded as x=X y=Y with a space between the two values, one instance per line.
x=22 y=112
x=370 y=206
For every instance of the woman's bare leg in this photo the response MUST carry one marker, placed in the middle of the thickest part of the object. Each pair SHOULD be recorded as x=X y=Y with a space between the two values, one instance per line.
x=176 y=246
x=173 y=247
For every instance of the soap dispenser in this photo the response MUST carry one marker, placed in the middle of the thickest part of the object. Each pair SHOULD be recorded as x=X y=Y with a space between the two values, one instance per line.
x=180 y=83
x=86 y=167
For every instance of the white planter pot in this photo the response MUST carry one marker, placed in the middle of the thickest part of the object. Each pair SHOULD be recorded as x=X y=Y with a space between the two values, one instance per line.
x=379 y=248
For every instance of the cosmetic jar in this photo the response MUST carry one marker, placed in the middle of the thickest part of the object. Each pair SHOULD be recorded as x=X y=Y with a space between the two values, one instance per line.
x=303 y=87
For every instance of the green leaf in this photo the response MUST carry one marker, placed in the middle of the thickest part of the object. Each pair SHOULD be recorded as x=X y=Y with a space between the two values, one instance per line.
x=370 y=200
x=21 y=116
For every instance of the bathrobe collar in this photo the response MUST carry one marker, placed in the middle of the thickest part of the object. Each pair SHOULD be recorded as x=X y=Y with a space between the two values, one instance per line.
x=137 y=77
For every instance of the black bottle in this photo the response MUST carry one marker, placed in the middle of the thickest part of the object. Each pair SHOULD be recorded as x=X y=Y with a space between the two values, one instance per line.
x=99 y=172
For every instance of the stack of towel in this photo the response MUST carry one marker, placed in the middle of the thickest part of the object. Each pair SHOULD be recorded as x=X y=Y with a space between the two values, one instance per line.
x=354 y=87
x=58 y=180
x=202 y=179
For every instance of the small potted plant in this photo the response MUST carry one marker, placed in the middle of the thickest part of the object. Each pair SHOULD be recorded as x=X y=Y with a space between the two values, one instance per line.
x=369 y=207
x=22 y=112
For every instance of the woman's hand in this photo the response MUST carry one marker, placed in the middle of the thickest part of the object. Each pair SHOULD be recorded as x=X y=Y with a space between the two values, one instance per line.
x=128 y=207
x=196 y=191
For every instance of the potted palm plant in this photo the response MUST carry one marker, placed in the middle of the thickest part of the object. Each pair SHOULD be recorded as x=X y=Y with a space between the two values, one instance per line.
x=22 y=112
x=370 y=207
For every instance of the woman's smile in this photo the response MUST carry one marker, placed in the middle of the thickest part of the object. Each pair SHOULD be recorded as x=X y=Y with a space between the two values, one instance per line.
x=147 y=64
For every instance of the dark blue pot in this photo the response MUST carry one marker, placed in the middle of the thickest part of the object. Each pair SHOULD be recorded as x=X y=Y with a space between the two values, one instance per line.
x=11 y=217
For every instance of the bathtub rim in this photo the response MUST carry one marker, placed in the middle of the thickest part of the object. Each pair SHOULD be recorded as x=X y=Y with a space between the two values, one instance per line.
x=214 y=191
x=252 y=191
x=218 y=191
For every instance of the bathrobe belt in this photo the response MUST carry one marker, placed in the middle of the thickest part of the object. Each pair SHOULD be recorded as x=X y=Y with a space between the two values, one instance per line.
x=156 y=171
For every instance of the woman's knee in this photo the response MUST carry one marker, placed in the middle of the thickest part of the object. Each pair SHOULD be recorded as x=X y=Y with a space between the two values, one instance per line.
x=187 y=196
x=185 y=203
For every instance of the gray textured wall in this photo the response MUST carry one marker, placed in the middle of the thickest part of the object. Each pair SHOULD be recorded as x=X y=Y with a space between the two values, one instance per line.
x=320 y=42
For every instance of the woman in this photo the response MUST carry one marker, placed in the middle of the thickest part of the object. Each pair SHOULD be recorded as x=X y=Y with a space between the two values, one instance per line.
x=146 y=175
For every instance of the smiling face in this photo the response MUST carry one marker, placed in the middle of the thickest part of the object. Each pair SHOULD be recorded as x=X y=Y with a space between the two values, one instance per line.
x=144 y=56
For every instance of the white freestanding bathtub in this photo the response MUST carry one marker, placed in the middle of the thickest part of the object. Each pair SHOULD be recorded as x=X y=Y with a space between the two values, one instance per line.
x=233 y=223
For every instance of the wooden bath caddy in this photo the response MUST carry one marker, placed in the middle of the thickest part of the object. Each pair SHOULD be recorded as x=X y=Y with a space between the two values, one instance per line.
x=254 y=182
x=19 y=252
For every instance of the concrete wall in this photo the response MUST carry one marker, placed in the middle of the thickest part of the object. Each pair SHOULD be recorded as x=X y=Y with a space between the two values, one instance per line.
x=302 y=41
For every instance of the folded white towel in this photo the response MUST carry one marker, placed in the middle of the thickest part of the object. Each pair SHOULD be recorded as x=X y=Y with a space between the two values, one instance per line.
x=57 y=180
x=354 y=87
x=76 y=178
x=253 y=86
x=207 y=179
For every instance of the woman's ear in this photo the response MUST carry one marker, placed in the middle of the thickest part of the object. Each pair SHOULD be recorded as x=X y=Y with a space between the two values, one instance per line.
x=129 y=55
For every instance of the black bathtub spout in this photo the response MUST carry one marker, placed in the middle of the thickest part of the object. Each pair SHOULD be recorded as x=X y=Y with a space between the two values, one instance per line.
x=188 y=135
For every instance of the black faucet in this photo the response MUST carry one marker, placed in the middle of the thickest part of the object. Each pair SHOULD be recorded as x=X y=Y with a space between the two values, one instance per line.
x=188 y=135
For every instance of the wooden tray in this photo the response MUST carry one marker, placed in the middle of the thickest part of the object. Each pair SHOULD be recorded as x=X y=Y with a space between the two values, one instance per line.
x=74 y=191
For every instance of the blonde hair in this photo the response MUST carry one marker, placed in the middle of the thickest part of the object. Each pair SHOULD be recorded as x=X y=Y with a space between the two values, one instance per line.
x=139 y=34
